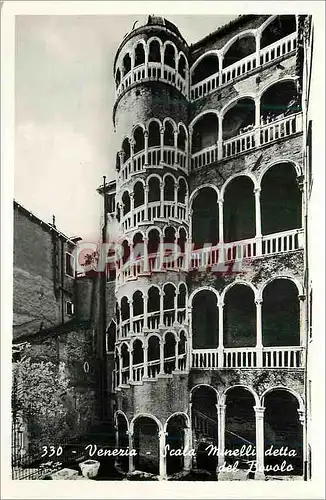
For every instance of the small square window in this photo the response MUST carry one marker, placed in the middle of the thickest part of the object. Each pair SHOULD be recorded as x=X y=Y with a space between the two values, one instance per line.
x=70 y=308
x=70 y=265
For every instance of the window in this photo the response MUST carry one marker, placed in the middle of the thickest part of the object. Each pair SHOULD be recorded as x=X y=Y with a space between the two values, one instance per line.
x=70 y=265
x=70 y=308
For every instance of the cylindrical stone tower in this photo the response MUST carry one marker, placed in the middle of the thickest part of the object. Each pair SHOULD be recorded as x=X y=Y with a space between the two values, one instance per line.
x=153 y=347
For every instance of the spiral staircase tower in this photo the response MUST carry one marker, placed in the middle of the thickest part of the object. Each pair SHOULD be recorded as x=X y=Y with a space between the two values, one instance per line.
x=152 y=350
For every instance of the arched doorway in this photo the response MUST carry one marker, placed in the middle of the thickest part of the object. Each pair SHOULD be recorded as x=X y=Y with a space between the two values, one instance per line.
x=175 y=440
x=205 y=320
x=283 y=429
x=146 y=444
x=204 y=426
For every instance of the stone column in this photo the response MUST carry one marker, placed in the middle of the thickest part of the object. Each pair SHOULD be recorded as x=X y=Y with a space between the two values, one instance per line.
x=162 y=62
x=161 y=253
x=162 y=145
x=187 y=462
x=259 y=333
x=220 y=139
x=122 y=155
x=257 y=49
x=131 y=356
x=146 y=61
x=132 y=57
x=161 y=356
x=146 y=266
x=258 y=222
x=145 y=302
x=259 y=413
x=190 y=132
x=161 y=200
x=161 y=323
x=221 y=231
x=120 y=367
x=146 y=146
x=301 y=413
x=221 y=408
x=132 y=147
x=131 y=445
x=220 y=334
x=175 y=147
x=257 y=121
x=146 y=191
x=145 y=360
x=131 y=196
x=162 y=457
x=131 y=316
x=302 y=312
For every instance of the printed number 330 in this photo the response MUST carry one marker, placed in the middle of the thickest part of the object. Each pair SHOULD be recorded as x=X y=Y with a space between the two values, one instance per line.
x=51 y=450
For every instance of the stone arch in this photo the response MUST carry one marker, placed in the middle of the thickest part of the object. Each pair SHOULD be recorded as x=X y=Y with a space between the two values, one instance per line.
x=280 y=199
x=153 y=44
x=139 y=53
x=239 y=209
x=236 y=49
x=201 y=114
x=281 y=314
x=298 y=284
x=139 y=193
x=182 y=65
x=201 y=70
x=205 y=320
x=239 y=36
x=238 y=116
x=197 y=386
x=197 y=290
x=170 y=54
x=175 y=427
x=122 y=428
x=154 y=135
x=205 y=131
x=146 y=428
x=126 y=64
x=287 y=25
x=196 y=191
x=246 y=387
x=239 y=316
x=279 y=99
x=283 y=428
x=205 y=217
x=182 y=193
x=174 y=414
x=282 y=388
x=240 y=282
x=153 y=183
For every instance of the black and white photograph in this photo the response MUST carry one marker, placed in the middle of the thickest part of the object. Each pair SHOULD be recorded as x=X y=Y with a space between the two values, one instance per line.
x=164 y=205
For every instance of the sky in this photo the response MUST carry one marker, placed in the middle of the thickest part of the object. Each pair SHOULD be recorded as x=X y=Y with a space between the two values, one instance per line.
x=64 y=95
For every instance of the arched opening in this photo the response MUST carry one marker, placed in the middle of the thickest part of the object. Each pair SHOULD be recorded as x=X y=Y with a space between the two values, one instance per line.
x=138 y=360
x=239 y=317
x=138 y=194
x=125 y=360
x=123 y=440
x=205 y=320
x=126 y=203
x=139 y=144
x=182 y=191
x=117 y=313
x=154 y=136
x=138 y=246
x=280 y=200
x=126 y=149
x=153 y=248
x=153 y=303
x=139 y=54
x=206 y=67
x=154 y=189
x=169 y=56
x=240 y=423
x=281 y=314
x=182 y=66
x=205 y=221
x=242 y=47
x=278 y=101
x=176 y=441
x=169 y=188
x=169 y=304
x=111 y=337
x=146 y=445
x=239 y=119
x=168 y=134
x=138 y=303
x=283 y=429
x=169 y=353
x=182 y=351
x=117 y=162
x=280 y=27
x=117 y=367
x=182 y=138
x=125 y=252
x=181 y=247
x=204 y=426
x=126 y=65
x=125 y=309
x=239 y=210
x=153 y=356
x=169 y=256
x=205 y=132
x=117 y=78
x=154 y=52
